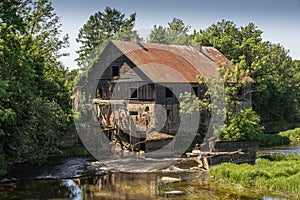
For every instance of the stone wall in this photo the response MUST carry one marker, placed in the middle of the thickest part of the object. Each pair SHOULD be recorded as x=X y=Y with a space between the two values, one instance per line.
x=245 y=146
x=248 y=148
x=247 y=157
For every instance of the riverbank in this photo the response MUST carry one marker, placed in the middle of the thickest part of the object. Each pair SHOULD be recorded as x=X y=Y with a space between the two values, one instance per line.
x=273 y=173
x=76 y=178
x=124 y=177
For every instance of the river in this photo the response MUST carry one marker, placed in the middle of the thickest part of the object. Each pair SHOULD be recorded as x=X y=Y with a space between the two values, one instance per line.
x=122 y=178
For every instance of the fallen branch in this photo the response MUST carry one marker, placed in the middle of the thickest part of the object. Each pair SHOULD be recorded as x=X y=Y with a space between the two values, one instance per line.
x=208 y=153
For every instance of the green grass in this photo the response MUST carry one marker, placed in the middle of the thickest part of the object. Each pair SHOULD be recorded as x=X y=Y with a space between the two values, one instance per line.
x=293 y=135
x=277 y=173
x=267 y=140
x=73 y=151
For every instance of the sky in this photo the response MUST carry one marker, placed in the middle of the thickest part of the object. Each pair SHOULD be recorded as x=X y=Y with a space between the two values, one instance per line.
x=278 y=19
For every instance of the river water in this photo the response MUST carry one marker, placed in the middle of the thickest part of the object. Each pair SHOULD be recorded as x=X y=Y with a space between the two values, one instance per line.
x=123 y=178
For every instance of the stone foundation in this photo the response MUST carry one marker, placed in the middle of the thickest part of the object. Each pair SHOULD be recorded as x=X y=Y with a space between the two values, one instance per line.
x=249 y=149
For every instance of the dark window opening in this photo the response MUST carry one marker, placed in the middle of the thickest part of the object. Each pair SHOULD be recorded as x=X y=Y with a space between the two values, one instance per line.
x=169 y=93
x=195 y=90
x=133 y=93
x=99 y=93
x=170 y=115
x=133 y=113
x=240 y=92
x=115 y=71
x=134 y=116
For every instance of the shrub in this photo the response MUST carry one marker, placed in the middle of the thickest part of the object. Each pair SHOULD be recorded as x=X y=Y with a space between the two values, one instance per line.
x=272 y=139
x=243 y=126
x=293 y=135
x=44 y=127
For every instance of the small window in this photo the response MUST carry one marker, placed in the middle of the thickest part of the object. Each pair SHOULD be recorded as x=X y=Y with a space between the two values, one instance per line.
x=240 y=92
x=195 y=90
x=99 y=93
x=133 y=93
x=169 y=93
x=170 y=115
x=115 y=71
x=133 y=113
x=134 y=116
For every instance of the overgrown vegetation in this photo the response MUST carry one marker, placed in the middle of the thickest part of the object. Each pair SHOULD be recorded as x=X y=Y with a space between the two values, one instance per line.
x=35 y=88
x=267 y=140
x=275 y=74
x=276 y=173
x=222 y=99
x=293 y=135
x=243 y=126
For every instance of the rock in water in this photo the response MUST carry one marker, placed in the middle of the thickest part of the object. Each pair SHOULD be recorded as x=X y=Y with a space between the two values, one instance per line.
x=166 y=179
x=175 y=192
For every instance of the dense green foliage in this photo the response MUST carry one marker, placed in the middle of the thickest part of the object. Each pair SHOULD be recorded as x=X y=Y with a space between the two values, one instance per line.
x=242 y=126
x=293 y=135
x=100 y=27
x=222 y=99
x=282 y=138
x=279 y=173
x=275 y=74
x=267 y=140
x=35 y=107
x=175 y=33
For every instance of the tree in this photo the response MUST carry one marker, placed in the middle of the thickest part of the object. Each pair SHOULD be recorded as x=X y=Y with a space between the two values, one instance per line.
x=35 y=88
x=159 y=34
x=100 y=27
x=272 y=69
x=178 y=32
x=232 y=121
x=175 y=33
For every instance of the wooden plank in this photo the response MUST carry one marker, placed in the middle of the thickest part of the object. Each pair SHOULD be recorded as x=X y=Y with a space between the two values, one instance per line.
x=207 y=153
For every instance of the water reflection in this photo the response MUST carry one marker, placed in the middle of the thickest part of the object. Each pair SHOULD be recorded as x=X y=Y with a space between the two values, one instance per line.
x=78 y=178
x=119 y=186
x=112 y=186
x=139 y=186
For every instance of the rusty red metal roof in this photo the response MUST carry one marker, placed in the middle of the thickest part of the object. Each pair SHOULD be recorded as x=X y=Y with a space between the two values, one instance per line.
x=172 y=63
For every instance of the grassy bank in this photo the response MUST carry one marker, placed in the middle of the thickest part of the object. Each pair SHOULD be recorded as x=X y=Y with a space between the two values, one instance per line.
x=275 y=173
x=267 y=140
x=74 y=151
x=293 y=135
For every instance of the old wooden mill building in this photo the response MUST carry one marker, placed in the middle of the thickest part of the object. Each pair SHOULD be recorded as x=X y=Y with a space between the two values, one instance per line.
x=149 y=78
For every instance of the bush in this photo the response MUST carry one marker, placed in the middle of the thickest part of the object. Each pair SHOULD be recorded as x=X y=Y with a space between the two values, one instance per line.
x=42 y=129
x=272 y=139
x=243 y=126
x=293 y=135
